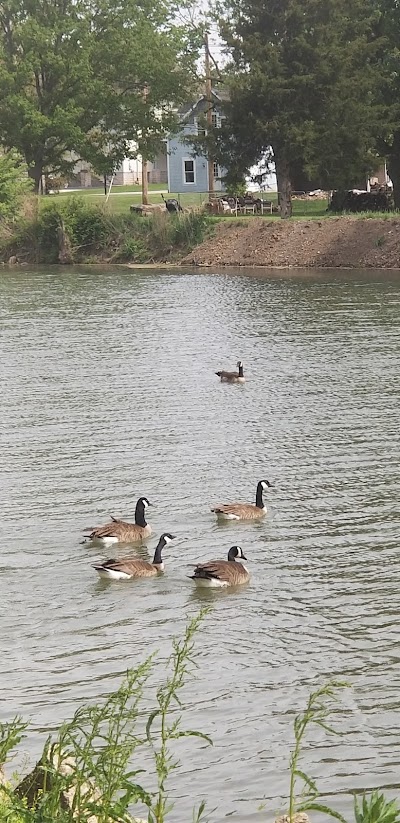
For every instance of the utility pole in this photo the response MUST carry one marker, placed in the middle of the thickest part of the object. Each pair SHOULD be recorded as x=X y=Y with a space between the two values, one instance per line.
x=209 y=103
x=145 y=184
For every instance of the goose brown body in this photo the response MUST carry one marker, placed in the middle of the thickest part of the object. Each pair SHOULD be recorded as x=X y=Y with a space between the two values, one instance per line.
x=244 y=511
x=222 y=573
x=127 y=567
x=232 y=376
x=120 y=531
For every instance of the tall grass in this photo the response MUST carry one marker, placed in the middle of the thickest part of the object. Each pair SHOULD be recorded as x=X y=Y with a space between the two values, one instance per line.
x=95 y=234
x=92 y=771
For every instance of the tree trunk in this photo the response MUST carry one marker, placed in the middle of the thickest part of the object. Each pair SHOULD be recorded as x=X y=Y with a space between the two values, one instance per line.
x=145 y=183
x=36 y=174
x=284 y=186
x=65 y=255
x=393 y=167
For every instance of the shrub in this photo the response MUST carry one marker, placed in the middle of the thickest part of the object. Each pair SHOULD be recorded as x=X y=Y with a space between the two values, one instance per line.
x=14 y=184
x=93 y=233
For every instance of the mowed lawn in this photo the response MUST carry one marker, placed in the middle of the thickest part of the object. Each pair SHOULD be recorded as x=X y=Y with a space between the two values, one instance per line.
x=122 y=197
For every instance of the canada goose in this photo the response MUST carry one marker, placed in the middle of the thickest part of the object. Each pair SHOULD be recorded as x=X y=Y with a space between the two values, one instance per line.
x=118 y=531
x=244 y=511
x=128 y=567
x=222 y=572
x=232 y=376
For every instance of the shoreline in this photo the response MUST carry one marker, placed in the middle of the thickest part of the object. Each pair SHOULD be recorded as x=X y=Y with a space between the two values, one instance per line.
x=334 y=242
x=340 y=243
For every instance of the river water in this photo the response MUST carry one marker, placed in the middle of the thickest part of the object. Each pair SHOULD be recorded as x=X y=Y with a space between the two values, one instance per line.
x=108 y=393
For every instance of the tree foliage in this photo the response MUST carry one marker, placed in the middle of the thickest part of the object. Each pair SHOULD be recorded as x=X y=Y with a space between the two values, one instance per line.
x=388 y=142
x=303 y=81
x=88 y=78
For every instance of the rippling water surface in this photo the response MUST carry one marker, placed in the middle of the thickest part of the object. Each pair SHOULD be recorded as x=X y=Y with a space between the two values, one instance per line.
x=108 y=392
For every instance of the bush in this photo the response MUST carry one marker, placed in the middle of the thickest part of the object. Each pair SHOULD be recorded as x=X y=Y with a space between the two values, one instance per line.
x=94 y=234
x=14 y=184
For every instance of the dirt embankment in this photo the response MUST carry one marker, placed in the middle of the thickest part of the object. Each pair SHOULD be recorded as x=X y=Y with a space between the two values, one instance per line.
x=345 y=242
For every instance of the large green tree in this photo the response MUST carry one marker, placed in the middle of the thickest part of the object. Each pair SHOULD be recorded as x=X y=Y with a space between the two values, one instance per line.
x=84 y=78
x=389 y=92
x=303 y=82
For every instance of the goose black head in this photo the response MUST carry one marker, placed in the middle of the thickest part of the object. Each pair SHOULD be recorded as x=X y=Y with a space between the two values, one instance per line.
x=236 y=552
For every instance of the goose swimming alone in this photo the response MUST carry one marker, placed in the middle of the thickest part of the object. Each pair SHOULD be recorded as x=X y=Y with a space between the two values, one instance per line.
x=232 y=376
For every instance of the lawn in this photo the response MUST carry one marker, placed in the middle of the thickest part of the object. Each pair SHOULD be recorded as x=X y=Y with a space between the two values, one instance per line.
x=122 y=197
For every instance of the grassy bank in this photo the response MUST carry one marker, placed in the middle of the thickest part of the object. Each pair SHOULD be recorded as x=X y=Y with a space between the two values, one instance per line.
x=74 y=230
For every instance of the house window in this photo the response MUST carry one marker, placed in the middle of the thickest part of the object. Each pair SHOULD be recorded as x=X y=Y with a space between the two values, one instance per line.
x=215 y=170
x=200 y=127
x=214 y=120
x=188 y=171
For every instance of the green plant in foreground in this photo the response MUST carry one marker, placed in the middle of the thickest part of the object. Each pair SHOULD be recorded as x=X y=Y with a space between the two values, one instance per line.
x=316 y=712
x=376 y=809
x=88 y=773
x=10 y=735
x=170 y=729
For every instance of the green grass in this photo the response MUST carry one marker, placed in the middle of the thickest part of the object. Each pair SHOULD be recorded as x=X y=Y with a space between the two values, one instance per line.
x=122 y=197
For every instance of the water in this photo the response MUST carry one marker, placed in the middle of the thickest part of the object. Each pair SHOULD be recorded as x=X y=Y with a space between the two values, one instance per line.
x=108 y=393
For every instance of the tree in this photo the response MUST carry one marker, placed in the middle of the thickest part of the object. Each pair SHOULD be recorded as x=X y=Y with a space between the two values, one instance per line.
x=302 y=83
x=388 y=142
x=14 y=183
x=72 y=75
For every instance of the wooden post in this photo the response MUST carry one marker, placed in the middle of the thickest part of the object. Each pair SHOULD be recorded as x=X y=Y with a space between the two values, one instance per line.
x=209 y=103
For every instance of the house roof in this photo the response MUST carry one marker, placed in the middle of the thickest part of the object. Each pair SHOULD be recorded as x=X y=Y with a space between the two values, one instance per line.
x=220 y=95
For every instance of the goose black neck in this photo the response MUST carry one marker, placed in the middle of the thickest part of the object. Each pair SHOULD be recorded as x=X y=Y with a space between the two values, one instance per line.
x=140 y=519
x=157 y=559
x=259 y=497
x=241 y=370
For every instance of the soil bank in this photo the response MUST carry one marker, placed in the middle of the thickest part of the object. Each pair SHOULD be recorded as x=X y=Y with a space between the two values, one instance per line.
x=335 y=242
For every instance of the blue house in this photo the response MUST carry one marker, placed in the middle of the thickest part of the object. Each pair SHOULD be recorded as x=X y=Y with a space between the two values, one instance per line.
x=187 y=172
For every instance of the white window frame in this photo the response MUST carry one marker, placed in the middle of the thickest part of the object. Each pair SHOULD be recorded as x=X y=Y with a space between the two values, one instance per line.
x=201 y=130
x=215 y=120
x=217 y=169
x=188 y=160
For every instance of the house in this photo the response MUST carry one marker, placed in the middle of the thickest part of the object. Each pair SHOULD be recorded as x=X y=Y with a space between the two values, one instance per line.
x=186 y=171
x=130 y=170
x=128 y=173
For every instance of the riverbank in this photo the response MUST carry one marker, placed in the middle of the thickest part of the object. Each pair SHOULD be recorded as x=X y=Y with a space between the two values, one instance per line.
x=335 y=242
x=70 y=231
